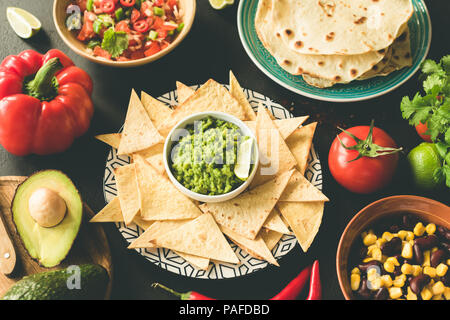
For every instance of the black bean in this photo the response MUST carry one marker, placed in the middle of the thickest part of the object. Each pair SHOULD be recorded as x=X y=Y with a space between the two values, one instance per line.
x=408 y=221
x=446 y=279
x=392 y=247
x=364 y=266
x=427 y=242
x=443 y=233
x=394 y=228
x=419 y=282
x=437 y=257
x=364 y=290
x=446 y=246
x=418 y=254
x=382 y=294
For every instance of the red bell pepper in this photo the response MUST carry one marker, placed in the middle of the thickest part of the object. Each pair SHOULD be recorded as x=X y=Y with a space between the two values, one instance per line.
x=45 y=102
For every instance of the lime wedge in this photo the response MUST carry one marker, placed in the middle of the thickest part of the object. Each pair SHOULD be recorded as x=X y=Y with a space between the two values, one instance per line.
x=220 y=4
x=24 y=24
x=244 y=159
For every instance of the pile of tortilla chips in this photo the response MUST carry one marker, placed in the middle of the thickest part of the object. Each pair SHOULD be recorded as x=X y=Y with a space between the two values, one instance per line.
x=278 y=202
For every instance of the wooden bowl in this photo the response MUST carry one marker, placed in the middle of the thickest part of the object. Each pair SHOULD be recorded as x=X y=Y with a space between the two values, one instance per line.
x=425 y=209
x=69 y=37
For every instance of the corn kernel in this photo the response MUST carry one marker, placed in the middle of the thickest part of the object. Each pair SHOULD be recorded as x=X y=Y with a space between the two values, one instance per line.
x=448 y=262
x=389 y=266
x=393 y=260
x=417 y=270
x=407 y=269
x=399 y=281
x=387 y=281
x=387 y=236
x=395 y=293
x=355 y=270
x=367 y=259
x=426 y=258
x=441 y=270
x=438 y=288
x=430 y=228
x=407 y=251
x=409 y=236
x=376 y=284
x=430 y=271
x=426 y=294
x=434 y=249
x=438 y=297
x=372 y=274
x=364 y=234
x=419 y=229
x=355 y=280
x=402 y=234
x=377 y=254
x=380 y=242
x=447 y=293
x=411 y=295
x=369 y=239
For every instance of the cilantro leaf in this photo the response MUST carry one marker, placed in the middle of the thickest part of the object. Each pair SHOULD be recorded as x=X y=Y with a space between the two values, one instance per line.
x=429 y=66
x=433 y=80
x=416 y=110
x=445 y=63
x=115 y=42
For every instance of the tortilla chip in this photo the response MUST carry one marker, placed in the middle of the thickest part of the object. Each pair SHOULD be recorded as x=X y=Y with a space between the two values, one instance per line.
x=270 y=237
x=154 y=156
x=159 y=228
x=299 y=189
x=272 y=162
x=211 y=96
x=156 y=110
x=142 y=223
x=139 y=133
x=256 y=248
x=160 y=200
x=304 y=218
x=111 y=139
x=183 y=92
x=127 y=191
x=274 y=222
x=300 y=143
x=285 y=126
x=238 y=93
x=247 y=213
x=200 y=237
x=110 y=213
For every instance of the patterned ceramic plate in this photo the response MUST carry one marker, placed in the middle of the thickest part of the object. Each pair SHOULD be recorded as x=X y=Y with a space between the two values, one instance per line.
x=419 y=24
x=169 y=260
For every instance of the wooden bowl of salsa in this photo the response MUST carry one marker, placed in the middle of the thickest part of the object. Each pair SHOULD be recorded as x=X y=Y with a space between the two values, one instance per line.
x=426 y=210
x=151 y=31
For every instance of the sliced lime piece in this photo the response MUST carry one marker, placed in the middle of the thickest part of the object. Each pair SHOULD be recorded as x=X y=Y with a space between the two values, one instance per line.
x=220 y=4
x=244 y=160
x=24 y=24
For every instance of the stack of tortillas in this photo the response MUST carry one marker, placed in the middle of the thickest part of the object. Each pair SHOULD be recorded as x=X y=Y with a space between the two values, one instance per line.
x=278 y=202
x=336 y=41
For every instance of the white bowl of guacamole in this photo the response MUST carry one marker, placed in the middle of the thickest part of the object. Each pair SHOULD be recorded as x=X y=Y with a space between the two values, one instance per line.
x=200 y=155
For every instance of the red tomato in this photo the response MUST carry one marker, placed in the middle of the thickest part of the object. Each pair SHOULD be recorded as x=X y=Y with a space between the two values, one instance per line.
x=158 y=23
x=82 y=5
x=421 y=128
x=372 y=171
x=172 y=3
x=141 y=26
x=122 y=26
x=128 y=3
x=146 y=9
x=99 y=52
x=137 y=55
x=162 y=34
x=108 y=6
x=154 y=48
x=135 y=15
x=159 y=3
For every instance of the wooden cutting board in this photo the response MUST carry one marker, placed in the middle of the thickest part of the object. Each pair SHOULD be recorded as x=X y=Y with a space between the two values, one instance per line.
x=90 y=246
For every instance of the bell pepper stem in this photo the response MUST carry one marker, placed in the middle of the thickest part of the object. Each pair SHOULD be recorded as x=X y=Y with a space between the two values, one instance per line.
x=44 y=85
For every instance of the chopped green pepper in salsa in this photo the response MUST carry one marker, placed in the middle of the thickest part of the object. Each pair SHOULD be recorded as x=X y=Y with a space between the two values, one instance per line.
x=203 y=160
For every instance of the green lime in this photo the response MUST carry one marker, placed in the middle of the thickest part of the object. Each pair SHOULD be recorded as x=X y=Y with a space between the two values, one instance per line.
x=244 y=160
x=220 y=4
x=24 y=24
x=424 y=160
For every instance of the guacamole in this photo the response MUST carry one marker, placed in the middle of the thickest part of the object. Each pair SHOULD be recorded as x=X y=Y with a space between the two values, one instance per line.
x=203 y=159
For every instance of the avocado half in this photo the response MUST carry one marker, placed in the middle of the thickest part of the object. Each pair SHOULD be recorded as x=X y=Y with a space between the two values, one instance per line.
x=48 y=245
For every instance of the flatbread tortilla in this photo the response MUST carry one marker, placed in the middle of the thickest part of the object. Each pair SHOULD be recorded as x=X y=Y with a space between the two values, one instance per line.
x=304 y=218
x=270 y=237
x=183 y=92
x=127 y=190
x=274 y=222
x=156 y=110
x=299 y=189
x=111 y=139
x=200 y=237
x=159 y=198
x=139 y=133
x=299 y=142
x=238 y=93
x=247 y=213
x=110 y=213
x=154 y=156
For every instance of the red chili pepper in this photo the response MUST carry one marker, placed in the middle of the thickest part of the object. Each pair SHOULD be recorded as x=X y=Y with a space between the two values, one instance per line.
x=107 y=6
x=45 y=102
x=135 y=15
x=293 y=289
x=315 y=287
x=128 y=3
x=190 y=295
x=141 y=26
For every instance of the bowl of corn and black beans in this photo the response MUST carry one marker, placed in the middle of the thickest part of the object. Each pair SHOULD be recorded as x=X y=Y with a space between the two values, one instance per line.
x=397 y=248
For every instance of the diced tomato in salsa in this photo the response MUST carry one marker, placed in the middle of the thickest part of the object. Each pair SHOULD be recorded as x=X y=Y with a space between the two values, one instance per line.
x=154 y=48
x=99 y=52
x=87 y=31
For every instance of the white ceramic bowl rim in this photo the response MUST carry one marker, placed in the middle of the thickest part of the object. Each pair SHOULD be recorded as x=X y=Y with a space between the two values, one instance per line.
x=219 y=115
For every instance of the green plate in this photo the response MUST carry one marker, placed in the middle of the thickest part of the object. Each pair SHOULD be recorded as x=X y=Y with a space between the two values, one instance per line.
x=420 y=27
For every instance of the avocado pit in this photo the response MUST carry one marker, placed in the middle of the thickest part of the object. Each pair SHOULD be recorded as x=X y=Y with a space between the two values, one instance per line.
x=47 y=207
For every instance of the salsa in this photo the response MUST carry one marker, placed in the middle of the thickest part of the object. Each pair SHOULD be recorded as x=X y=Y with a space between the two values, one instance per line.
x=123 y=30
x=203 y=160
